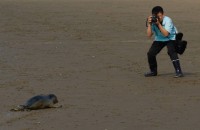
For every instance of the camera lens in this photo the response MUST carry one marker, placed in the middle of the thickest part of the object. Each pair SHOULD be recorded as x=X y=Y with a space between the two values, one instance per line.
x=154 y=19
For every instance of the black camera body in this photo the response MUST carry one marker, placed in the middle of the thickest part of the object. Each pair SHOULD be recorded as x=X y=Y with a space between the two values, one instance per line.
x=154 y=19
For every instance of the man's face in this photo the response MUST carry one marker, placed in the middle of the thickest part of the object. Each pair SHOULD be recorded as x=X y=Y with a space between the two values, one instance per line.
x=160 y=16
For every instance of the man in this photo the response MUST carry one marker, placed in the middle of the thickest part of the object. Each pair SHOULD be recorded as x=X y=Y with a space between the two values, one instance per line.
x=165 y=34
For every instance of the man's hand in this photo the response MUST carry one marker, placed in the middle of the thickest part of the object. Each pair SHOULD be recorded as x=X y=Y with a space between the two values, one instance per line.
x=149 y=20
x=158 y=22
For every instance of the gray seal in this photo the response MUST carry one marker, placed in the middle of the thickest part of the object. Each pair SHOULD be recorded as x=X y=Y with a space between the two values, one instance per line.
x=39 y=102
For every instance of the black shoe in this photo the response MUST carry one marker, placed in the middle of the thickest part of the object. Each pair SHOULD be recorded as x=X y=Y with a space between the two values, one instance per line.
x=178 y=75
x=150 y=74
x=178 y=70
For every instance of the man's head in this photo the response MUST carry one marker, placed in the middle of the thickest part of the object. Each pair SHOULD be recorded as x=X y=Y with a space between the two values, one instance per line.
x=158 y=11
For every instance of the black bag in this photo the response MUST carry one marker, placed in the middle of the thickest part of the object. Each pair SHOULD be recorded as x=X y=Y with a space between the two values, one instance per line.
x=180 y=44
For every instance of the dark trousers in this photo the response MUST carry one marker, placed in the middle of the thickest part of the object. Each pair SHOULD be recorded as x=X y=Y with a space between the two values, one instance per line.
x=156 y=47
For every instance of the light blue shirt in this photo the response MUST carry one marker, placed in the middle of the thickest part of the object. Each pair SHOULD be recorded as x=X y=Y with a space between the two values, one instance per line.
x=167 y=25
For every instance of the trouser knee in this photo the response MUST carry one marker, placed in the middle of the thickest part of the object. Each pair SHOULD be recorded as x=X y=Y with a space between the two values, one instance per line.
x=150 y=54
x=173 y=55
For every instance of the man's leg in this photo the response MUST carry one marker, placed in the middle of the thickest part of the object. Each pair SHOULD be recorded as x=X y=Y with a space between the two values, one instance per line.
x=156 y=47
x=175 y=60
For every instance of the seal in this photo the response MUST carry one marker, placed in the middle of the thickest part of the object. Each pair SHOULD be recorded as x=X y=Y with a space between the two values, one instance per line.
x=39 y=102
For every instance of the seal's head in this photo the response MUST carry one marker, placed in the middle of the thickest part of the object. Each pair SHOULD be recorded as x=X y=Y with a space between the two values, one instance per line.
x=53 y=98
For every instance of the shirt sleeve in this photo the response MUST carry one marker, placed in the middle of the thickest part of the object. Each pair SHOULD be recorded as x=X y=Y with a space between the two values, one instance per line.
x=169 y=25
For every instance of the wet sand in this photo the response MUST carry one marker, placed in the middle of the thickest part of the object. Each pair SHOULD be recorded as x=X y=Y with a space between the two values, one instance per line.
x=92 y=55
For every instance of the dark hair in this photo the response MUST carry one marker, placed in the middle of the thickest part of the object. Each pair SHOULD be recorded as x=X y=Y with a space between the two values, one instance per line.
x=157 y=9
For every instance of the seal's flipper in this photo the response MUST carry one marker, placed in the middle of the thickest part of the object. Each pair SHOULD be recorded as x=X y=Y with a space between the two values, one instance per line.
x=56 y=106
x=18 y=108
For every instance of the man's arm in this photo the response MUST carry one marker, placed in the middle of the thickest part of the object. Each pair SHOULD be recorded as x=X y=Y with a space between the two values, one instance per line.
x=149 y=27
x=167 y=29
x=162 y=30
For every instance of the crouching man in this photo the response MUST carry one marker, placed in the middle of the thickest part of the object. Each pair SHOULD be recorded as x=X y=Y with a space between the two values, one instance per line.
x=163 y=29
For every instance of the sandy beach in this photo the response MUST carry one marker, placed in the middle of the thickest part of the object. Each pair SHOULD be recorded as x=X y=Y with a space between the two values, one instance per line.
x=92 y=55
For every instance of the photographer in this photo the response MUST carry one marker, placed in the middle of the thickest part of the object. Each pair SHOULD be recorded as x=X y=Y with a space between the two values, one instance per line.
x=165 y=34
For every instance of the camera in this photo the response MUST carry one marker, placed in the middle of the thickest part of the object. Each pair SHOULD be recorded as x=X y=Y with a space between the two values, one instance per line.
x=154 y=19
